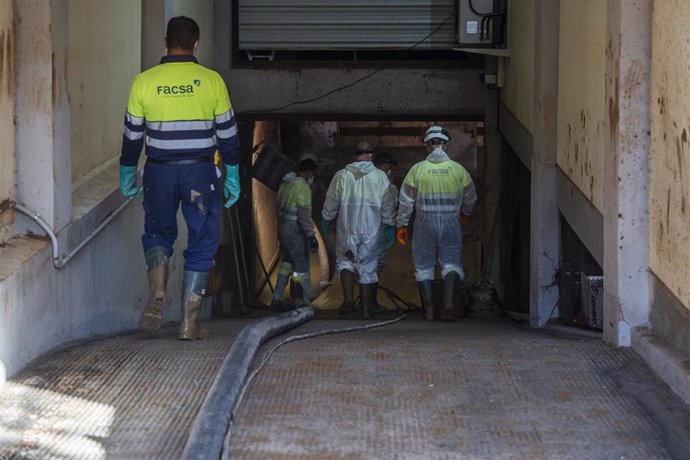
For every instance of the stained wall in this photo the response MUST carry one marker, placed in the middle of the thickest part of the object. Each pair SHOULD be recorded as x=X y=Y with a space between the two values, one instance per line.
x=6 y=120
x=518 y=91
x=581 y=87
x=669 y=200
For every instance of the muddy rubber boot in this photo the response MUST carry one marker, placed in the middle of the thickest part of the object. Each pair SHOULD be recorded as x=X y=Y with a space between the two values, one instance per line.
x=152 y=316
x=367 y=294
x=450 y=289
x=347 y=279
x=281 y=282
x=426 y=293
x=296 y=294
x=194 y=287
x=305 y=284
x=378 y=308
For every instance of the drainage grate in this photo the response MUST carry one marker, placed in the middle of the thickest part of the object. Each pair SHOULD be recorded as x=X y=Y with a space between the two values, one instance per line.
x=592 y=300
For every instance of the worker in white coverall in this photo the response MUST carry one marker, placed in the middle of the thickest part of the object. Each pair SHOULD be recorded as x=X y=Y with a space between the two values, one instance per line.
x=359 y=196
x=295 y=232
x=439 y=190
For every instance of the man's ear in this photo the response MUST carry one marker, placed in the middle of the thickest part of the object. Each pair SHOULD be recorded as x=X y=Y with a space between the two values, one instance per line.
x=196 y=46
x=165 y=42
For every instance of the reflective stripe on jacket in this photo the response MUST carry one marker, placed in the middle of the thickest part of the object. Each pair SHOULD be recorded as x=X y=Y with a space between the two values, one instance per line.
x=437 y=185
x=180 y=110
x=294 y=202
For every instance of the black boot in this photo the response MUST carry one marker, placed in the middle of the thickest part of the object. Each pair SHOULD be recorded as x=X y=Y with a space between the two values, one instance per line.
x=347 y=279
x=367 y=294
x=450 y=289
x=296 y=295
x=378 y=308
x=426 y=293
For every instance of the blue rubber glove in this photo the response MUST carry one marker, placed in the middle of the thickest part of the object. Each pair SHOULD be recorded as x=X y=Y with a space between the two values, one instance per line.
x=323 y=227
x=313 y=244
x=231 y=187
x=388 y=235
x=128 y=181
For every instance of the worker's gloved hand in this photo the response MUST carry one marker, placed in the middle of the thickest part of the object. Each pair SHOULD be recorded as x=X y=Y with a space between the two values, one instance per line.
x=231 y=187
x=464 y=219
x=323 y=227
x=402 y=235
x=388 y=235
x=313 y=244
x=128 y=181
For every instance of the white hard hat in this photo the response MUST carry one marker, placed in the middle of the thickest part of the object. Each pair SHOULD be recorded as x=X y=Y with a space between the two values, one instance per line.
x=436 y=132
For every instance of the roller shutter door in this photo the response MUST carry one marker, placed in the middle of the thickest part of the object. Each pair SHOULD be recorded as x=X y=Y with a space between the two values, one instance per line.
x=345 y=25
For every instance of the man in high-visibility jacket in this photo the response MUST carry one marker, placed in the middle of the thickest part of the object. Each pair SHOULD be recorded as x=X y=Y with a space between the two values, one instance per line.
x=439 y=190
x=359 y=196
x=182 y=111
x=295 y=232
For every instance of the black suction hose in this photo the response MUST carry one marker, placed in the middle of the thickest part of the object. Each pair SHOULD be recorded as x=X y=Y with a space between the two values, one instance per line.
x=208 y=431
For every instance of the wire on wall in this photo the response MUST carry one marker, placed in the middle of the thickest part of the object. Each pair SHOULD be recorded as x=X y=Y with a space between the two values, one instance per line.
x=361 y=79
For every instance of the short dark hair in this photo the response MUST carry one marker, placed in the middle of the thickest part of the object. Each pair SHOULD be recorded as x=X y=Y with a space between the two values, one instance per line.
x=182 y=33
x=306 y=165
x=384 y=158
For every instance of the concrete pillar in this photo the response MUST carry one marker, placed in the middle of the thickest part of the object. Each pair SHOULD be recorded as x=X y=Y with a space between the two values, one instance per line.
x=6 y=120
x=42 y=135
x=544 y=231
x=626 y=168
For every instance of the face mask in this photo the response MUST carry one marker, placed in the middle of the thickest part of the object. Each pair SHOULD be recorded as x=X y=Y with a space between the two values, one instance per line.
x=310 y=180
x=438 y=151
x=389 y=173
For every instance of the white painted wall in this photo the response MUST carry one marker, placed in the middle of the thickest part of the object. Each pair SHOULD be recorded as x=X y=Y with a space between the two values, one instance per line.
x=581 y=87
x=669 y=200
x=103 y=57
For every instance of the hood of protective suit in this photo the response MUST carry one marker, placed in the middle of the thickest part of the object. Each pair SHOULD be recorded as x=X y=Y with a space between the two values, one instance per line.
x=437 y=156
x=360 y=168
x=290 y=177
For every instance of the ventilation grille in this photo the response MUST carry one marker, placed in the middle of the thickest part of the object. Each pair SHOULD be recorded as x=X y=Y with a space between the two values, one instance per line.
x=592 y=300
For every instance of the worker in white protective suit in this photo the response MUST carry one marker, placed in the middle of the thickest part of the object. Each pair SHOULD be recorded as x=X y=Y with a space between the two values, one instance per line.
x=439 y=190
x=295 y=231
x=360 y=197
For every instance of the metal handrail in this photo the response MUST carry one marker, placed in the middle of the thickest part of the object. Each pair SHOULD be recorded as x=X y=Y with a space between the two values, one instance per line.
x=60 y=261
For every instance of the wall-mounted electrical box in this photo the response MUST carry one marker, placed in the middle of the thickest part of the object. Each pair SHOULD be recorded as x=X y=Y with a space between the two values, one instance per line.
x=482 y=23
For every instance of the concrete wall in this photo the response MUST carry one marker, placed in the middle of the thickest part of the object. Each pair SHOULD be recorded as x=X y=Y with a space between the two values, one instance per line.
x=94 y=294
x=669 y=192
x=103 y=288
x=103 y=56
x=202 y=12
x=517 y=93
x=6 y=120
x=581 y=108
x=394 y=92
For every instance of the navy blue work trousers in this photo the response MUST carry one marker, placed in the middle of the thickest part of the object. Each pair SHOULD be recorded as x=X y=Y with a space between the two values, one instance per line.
x=194 y=187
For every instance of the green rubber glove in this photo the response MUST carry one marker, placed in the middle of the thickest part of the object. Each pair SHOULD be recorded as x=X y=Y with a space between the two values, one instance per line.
x=388 y=235
x=128 y=181
x=231 y=187
x=323 y=227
